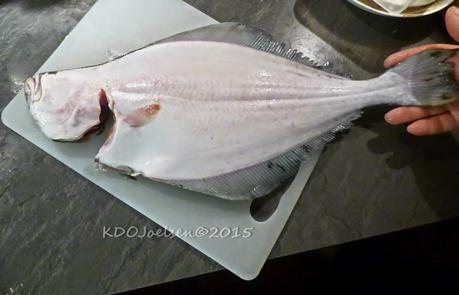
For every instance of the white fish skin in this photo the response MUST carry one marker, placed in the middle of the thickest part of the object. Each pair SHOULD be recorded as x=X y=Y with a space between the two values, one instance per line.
x=191 y=111
x=217 y=114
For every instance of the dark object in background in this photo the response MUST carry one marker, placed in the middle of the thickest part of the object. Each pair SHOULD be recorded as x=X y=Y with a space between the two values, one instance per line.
x=420 y=259
x=363 y=37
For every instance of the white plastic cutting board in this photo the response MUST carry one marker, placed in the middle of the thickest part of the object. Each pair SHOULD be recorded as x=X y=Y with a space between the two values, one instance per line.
x=125 y=25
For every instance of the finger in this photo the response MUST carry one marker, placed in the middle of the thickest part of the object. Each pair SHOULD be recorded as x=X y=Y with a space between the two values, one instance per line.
x=434 y=125
x=454 y=110
x=400 y=56
x=452 y=22
x=404 y=115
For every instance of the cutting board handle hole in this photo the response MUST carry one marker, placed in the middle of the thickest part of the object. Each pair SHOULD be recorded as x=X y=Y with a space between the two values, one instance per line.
x=261 y=209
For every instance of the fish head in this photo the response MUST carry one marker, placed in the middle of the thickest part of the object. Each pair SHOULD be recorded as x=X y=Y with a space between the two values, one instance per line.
x=66 y=105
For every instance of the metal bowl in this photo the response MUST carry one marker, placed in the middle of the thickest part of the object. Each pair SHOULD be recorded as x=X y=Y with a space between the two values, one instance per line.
x=372 y=7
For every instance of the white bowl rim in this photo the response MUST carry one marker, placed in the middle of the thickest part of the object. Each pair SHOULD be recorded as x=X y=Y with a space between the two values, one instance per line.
x=364 y=6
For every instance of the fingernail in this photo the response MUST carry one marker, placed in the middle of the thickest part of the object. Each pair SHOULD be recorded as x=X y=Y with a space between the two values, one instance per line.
x=454 y=10
x=413 y=129
x=389 y=118
x=454 y=106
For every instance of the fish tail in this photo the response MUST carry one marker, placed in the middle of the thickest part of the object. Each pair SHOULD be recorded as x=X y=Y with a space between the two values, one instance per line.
x=428 y=78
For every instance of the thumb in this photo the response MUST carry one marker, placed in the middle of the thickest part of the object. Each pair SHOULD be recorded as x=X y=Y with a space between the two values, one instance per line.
x=452 y=22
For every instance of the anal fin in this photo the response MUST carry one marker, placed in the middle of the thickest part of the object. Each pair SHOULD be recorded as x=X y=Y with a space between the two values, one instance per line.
x=261 y=179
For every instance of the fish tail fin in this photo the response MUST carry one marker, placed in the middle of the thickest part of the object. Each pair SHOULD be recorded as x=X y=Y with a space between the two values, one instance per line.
x=429 y=77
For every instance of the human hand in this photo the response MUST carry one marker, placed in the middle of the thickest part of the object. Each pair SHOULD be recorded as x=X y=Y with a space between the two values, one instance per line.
x=429 y=120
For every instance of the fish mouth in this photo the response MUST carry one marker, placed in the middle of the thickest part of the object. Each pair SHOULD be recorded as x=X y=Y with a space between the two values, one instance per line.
x=32 y=89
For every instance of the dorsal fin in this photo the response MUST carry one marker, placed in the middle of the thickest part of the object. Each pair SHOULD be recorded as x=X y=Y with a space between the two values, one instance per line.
x=244 y=35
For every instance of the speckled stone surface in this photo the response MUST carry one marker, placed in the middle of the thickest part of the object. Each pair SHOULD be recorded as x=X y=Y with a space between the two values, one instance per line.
x=373 y=179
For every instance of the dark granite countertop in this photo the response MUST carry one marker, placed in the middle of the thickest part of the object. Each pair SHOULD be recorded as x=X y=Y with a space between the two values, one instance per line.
x=373 y=179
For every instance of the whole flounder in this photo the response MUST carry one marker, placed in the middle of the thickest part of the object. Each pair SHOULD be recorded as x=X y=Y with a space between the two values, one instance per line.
x=222 y=110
